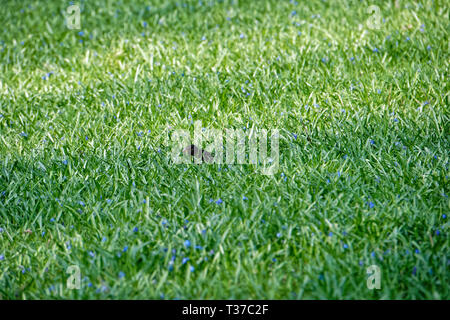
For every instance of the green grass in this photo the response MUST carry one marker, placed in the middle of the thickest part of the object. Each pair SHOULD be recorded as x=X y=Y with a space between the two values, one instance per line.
x=364 y=150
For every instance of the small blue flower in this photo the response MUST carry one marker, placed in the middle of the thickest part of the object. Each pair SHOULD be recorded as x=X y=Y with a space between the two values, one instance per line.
x=371 y=204
x=187 y=243
x=135 y=229
x=65 y=162
x=444 y=216
x=2 y=257
x=81 y=33
x=345 y=246
x=295 y=136
x=417 y=251
x=125 y=249
x=92 y=254
x=330 y=234
x=52 y=220
x=219 y=201
x=184 y=260
x=414 y=271
x=242 y=36
x=191 y=268
x=121 y=274
x=104 y=239
x=278 y=235
x=244 y=198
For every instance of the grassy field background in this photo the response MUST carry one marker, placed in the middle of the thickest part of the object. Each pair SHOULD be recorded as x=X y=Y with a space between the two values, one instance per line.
x=364 y=150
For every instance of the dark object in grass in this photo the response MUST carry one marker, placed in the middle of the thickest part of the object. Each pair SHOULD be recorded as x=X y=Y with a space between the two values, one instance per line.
x=196 y=152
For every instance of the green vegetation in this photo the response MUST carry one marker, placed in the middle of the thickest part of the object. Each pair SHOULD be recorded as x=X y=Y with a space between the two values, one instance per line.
x=85 y=179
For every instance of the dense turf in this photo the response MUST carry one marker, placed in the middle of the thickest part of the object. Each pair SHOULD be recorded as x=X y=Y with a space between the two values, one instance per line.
x=85 y=178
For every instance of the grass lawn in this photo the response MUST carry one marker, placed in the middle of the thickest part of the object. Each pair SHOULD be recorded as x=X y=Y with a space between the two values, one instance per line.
x=361 y=100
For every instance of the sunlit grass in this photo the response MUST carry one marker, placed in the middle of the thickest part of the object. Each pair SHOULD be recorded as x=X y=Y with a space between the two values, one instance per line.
x=86 y=180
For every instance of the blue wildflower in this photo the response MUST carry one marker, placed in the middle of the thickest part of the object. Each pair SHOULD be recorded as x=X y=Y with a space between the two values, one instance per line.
x=121 y=274
x=219 y=201
x=244 y=198
x=125 y=249
x=135 y=229
x=187 y=243
x=92 y=254
x=191 y=268
x=2 y=257
x=184 y=260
